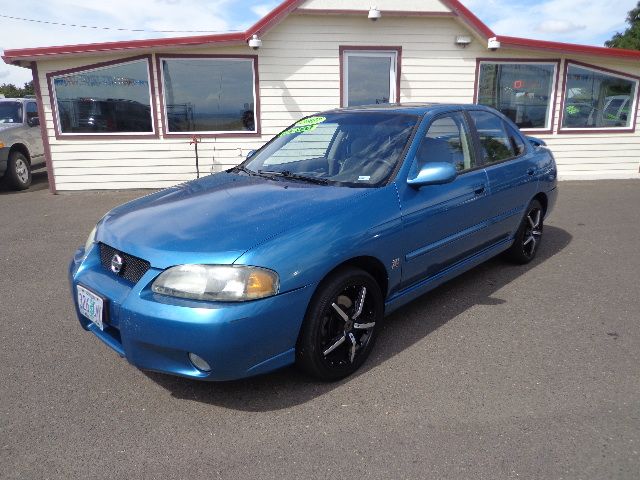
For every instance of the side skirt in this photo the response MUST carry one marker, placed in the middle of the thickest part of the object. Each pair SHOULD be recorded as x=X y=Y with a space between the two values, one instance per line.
x=418 y=289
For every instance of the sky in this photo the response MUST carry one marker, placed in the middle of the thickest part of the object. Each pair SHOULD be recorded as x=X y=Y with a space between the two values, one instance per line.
x=588 y=22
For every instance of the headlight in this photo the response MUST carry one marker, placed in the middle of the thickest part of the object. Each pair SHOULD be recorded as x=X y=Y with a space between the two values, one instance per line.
x=90 y=241
x=217 y=282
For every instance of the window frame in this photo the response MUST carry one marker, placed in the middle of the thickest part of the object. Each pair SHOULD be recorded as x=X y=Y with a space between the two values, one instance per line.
x=209 y=134
x=51 y=76
x=548 y=129
x=615 y=73
x=372 y=51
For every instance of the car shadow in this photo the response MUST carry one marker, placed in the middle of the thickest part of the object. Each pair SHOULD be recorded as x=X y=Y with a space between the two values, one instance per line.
x=402 y=329
x=39 y=181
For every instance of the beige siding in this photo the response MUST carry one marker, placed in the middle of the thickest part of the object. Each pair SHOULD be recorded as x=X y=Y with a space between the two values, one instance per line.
x=383 y=5
x=299 y=75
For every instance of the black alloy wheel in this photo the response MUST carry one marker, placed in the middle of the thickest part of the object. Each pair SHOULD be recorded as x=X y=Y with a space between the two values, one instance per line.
x=529 y=235
x=341 y=325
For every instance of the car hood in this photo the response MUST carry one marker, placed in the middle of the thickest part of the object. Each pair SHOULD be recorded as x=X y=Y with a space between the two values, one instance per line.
x=216 y=219
x=9 y=126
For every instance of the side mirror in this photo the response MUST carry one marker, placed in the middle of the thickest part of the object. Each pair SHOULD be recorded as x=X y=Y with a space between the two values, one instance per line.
x=33 y=121
x=250 y=154
x=436 y=173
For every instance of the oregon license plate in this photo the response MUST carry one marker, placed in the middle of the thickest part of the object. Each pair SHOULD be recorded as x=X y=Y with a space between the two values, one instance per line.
x=91 y=306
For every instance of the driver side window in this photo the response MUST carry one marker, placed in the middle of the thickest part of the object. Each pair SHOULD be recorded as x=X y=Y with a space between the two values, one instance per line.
x=447 y=140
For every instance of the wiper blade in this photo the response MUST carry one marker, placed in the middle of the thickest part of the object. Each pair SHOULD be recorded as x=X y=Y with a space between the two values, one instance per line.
x=294 y=176
x=241 y=168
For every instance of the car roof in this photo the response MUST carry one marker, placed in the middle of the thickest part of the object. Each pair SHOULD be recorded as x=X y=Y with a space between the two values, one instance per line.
x=411 y=108
x=21 y=100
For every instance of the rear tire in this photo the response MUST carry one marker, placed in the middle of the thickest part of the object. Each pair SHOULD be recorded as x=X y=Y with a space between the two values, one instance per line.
x=529 y=235
x=341 y=325
x=18 y=175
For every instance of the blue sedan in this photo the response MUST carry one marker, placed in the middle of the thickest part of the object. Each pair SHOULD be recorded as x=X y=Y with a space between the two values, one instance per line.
x=297 y=254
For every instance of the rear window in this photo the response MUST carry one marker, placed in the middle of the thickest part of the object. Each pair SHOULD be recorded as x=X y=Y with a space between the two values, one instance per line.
x=494 y=140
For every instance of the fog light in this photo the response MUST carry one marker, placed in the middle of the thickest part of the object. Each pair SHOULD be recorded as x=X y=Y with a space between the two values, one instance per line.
x=199 y=362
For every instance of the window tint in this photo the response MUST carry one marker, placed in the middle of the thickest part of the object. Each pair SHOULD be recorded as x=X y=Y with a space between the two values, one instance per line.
x=113 y=99
x=521 y=91
x=358 y=149
x=495 y=143
x=10 y=112
x=594 y=99
x=516 y=140
x=447 y=140
x=32 y=110
x=209 y=94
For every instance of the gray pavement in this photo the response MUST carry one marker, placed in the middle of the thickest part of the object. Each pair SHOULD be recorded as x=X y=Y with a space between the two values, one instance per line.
x=505 y=372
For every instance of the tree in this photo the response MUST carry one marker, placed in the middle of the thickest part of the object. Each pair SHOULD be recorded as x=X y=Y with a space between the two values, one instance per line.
x=630 y=39
x=9 y=90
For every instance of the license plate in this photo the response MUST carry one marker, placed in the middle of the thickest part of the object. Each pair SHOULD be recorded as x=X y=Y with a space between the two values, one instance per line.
x=91 y=306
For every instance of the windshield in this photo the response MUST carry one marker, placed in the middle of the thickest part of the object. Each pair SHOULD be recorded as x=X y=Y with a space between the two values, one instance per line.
x=349 y=148
x=10 y=112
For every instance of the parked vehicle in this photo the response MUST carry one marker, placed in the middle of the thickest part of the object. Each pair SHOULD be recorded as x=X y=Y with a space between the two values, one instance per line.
x=298 y=253
x=21 y=148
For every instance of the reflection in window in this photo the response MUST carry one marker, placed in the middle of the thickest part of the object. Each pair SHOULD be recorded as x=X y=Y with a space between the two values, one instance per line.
x=595 y=99
x=209 y=95
x=370 y=78
x=495 y=143
x=447 y=140
x=521 y=91
x=113 y=99
x=10 y=112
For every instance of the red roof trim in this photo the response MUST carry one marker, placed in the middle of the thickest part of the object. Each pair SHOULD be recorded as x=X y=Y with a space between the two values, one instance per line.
x=280 y=13
x=567 y=47
x=469 y=18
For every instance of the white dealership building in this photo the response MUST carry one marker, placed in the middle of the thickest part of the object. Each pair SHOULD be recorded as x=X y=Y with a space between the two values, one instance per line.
x=124 y=114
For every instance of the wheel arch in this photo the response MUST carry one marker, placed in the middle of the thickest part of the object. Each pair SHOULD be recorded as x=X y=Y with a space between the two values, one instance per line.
x=22 y=148
x=544 y=201
x=372 y=265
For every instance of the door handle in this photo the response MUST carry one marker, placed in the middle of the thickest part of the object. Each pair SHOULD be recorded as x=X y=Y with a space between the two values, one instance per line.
x=479 y=190
x=531 y=171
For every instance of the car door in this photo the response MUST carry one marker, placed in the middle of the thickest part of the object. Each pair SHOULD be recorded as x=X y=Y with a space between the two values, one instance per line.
x=442 y=224
x=511 y=169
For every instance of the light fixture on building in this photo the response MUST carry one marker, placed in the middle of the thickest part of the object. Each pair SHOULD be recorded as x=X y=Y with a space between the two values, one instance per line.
x=255 y=43
x=493 y=44
x=463 y=40
x=374 y=14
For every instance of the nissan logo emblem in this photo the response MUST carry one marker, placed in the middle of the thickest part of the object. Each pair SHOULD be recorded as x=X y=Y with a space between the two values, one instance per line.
x=116 y=263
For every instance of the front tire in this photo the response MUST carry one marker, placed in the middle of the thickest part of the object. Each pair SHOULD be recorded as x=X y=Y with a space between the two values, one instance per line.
x=18 y=173
x=529 y=235
x=341 y=325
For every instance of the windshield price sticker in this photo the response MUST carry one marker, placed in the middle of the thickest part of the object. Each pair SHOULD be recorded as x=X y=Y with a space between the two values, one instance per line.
x=310 y=121
x=303 y=129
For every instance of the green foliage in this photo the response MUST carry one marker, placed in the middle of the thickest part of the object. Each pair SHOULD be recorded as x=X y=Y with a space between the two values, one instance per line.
x=630 y=38
x=9 y=90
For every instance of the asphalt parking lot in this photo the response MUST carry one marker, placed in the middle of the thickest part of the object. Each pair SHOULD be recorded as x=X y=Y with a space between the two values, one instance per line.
x=505 y=372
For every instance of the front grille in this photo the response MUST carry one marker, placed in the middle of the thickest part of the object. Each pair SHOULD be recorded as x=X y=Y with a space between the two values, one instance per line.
x=133 y=268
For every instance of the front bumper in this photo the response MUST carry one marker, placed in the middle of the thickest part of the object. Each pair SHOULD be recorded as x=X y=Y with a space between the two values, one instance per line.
x=155 y=332
x=4 y=159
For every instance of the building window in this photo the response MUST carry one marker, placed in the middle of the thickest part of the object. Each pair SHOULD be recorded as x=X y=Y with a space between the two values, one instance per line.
x=597 y=99
x=209 y=95
x=522 y=91
x=111 y=99
x=370 y=76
